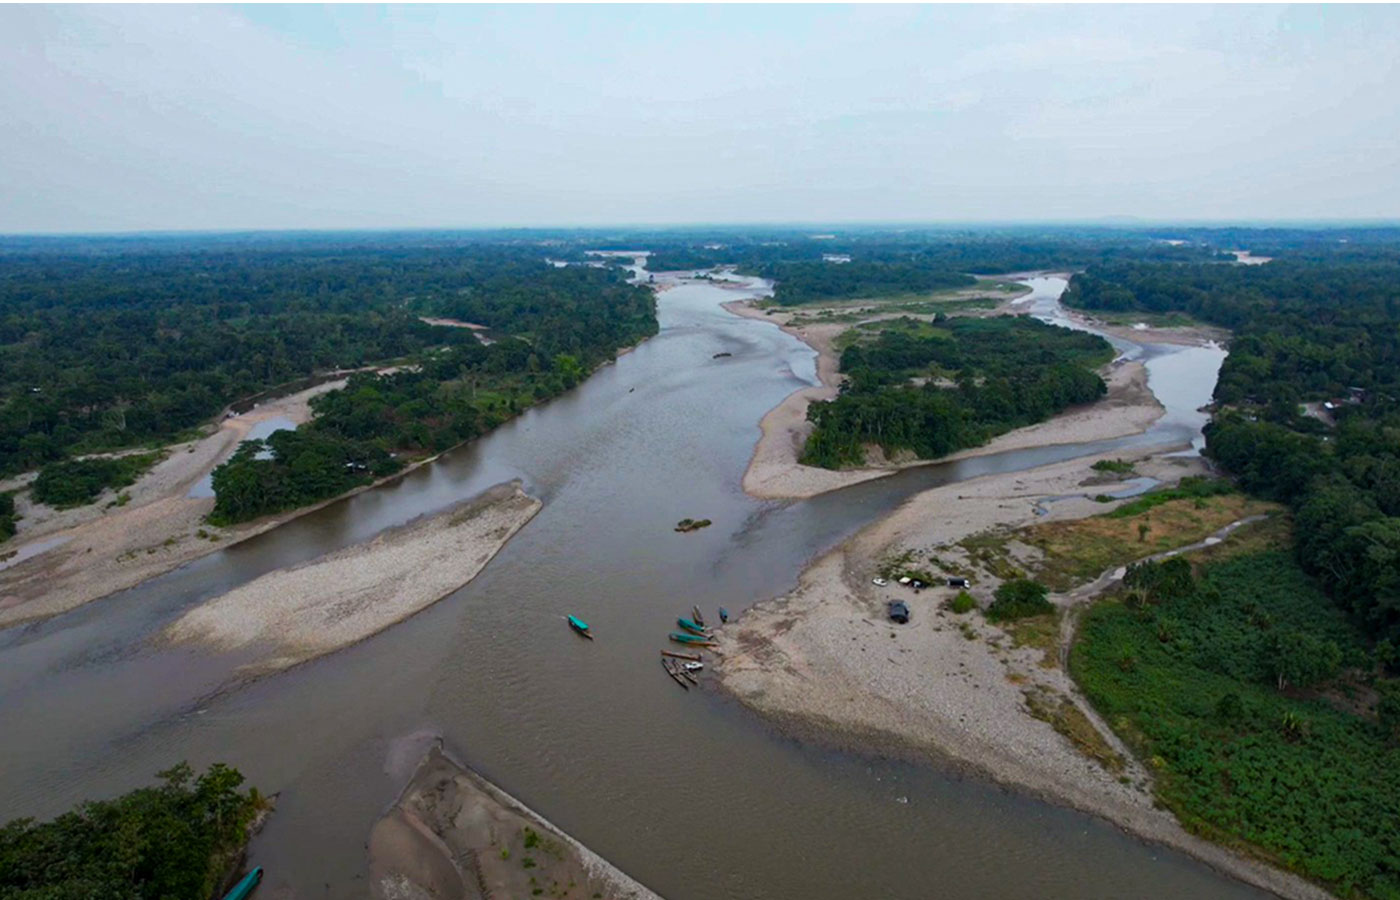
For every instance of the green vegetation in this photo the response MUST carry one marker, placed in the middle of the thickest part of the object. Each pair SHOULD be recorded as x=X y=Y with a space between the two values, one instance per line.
x=1320 y=324
x=77 y=482
x=178 y=839
x=1069 y=720
x=962 y=603
x=7 y=516
x=1116 y=466
x=1006 y=372
x=692 y=524
x=1189 y=672
x=1191 y=487
x=1018 y=599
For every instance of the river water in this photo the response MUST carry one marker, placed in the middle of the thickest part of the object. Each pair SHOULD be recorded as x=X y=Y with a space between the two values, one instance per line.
x=685 y=791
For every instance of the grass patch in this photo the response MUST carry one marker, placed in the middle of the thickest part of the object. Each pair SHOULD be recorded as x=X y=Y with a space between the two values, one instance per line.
x=1190 y=488
x=1116 y=466
x=1070 y=721
x=1041 y=632
x=1078 y=551
x=988 y=550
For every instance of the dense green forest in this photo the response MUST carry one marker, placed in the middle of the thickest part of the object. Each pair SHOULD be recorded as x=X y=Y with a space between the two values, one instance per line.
x=1305 y=330
x=980 y=377
x=804 y=282
x=7 y=515
x=110 y=344
x=1219 y=682
x=174 y=840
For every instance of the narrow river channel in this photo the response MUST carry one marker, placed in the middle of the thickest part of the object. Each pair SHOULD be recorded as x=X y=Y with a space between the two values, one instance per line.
x=685 y=791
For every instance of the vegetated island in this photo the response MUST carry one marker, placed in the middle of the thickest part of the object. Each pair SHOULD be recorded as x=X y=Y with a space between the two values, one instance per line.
x=1211 y=664
x=344 y=597
x=454 y=834
x=685 y=525
x=943 y=377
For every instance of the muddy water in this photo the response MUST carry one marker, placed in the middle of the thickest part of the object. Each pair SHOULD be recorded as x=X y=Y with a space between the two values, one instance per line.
x=683 y=790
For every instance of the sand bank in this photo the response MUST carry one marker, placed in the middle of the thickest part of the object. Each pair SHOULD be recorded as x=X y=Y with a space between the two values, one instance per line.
x=825 y=661
x=305 y=611
x=1183 y=335
x=454 y=835
x=98 y=549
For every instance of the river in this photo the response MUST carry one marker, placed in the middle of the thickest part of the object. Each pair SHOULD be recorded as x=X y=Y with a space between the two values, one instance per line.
x=685 y=791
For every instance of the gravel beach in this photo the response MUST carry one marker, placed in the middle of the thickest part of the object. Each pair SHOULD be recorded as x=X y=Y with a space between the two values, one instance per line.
x=305 y=611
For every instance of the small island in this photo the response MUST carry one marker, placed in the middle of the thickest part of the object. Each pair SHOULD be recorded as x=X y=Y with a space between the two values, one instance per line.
x=692 y=524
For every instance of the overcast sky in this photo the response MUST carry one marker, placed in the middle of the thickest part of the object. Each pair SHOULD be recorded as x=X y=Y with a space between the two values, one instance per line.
x=170 y=117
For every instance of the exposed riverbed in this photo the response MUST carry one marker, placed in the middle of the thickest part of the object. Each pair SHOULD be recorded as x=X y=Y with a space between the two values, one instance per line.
x=684 y=791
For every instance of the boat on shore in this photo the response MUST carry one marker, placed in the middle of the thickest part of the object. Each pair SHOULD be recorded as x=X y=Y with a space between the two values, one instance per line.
x=580 y=626
x=698 y=640
x=695 y=614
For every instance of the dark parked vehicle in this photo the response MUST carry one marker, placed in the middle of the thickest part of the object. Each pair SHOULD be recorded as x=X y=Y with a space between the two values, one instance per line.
x=957 y=582
x=899 y=612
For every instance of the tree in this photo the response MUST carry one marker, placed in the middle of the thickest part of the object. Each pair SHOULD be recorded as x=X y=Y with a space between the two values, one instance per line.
x=1300 y=660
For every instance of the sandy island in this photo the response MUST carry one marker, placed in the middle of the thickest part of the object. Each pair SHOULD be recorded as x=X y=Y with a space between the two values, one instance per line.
x=454 y=835
x=825 y=662
x=99 y=549
x=774 y=472
x=341 y=598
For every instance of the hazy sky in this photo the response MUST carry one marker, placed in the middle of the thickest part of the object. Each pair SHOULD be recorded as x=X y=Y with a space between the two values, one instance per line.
x=169 y=117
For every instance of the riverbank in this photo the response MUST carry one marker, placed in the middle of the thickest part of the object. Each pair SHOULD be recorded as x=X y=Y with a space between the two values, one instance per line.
x=454 y=835
x=101 y=548
x=342 y=598
x=824 y=661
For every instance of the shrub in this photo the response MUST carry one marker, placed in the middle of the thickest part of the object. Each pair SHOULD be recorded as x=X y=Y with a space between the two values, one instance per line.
x=1017 y=599
x=76 y=482
x=962 y=603
x=1117 y=466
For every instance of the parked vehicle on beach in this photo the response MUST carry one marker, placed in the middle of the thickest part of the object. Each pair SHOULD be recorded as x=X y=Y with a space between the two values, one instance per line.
x=899 y=612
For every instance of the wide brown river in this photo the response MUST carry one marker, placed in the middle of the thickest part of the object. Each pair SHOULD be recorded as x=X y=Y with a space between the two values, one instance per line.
x=685 y=791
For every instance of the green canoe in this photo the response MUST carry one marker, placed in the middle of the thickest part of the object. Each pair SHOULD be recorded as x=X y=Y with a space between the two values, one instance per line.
x=245 y=887
x=683 y=638
x=688 y=625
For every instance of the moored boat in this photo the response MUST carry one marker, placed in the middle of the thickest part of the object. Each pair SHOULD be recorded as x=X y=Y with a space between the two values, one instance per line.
x=698 y=640
x=723 y=615
x=688 y=625
x=692 y=657
x=689 y=675
x=695 y=614
x=580 y=626
x=671 y=670
x=245 y=885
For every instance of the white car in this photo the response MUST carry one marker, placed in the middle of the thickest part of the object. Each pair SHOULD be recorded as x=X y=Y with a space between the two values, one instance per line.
x=881 y=582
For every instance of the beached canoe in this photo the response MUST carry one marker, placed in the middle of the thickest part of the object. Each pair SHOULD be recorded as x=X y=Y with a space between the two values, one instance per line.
x=695 y=614
x=688 y=625
x=245 y=885
x=689 y=657
x=698 y=640
x=723 y=615
x=671 y=670
x=580 y=626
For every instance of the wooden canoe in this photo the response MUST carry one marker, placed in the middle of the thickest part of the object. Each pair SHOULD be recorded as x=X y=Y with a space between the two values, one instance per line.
x=695 y=614
x=689 y=675
x=670 y=668
x=689 y=657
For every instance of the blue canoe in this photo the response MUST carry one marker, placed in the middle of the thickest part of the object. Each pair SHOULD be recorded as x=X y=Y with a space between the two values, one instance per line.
x=723 y=615
x=245 y=887
x=580 y=626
